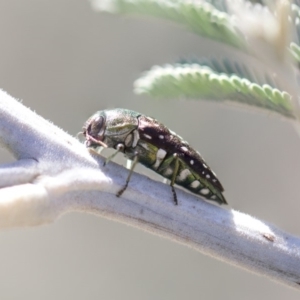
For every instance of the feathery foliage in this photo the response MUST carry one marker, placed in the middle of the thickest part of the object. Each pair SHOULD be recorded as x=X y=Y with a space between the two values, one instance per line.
x=200 y=17
x=196 y=81
x=240 y=24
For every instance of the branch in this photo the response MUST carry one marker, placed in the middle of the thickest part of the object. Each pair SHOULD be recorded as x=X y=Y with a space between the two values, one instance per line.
x=55 y=174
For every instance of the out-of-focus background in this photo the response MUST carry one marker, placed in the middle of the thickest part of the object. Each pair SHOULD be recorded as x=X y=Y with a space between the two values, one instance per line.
x=66 y=61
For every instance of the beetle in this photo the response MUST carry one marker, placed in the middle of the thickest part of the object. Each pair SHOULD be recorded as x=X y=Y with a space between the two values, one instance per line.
x=145 y=140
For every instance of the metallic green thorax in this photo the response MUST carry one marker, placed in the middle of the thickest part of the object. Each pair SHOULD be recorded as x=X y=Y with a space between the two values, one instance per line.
x=149 y=142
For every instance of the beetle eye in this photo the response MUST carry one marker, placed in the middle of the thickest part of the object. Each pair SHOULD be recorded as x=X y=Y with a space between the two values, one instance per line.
x=96 y=126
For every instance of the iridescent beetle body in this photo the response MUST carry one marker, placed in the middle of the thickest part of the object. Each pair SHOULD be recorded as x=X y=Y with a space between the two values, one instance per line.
x=145 y=140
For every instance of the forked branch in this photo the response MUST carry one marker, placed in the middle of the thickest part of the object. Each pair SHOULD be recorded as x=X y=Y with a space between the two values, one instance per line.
x=55 y=174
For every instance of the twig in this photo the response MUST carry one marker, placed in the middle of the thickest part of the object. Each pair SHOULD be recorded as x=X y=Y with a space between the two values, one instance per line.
x=55 y=174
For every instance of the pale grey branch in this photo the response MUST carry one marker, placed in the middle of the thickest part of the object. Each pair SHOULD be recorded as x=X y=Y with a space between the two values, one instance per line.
x=55 y=174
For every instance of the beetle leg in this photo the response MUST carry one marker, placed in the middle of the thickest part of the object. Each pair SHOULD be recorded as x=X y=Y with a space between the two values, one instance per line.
x=165 y=164
x=120 y=148
x=175 y=172
x=135 y=161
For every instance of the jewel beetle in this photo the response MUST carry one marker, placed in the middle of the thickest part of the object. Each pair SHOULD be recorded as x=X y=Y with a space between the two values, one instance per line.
x=145 y=140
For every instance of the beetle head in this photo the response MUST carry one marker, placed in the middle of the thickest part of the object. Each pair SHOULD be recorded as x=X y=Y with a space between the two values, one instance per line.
x=108 y=128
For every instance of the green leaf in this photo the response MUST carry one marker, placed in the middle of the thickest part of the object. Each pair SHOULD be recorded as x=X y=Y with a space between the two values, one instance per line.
x=231 y=66
x=196 y=81
x=200 y=17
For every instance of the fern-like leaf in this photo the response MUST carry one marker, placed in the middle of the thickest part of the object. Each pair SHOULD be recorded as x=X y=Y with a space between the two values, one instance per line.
x=231 y=66
x=196 y=81
x=202 y=18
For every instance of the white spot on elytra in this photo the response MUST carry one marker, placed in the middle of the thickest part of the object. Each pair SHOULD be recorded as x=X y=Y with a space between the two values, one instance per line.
x=183 y=174
x=213 y=197
x=174 y=133
x=184 y=149
x=161 y=136
x=205 y=166
x=160 y=155
x=191 y=162
x=214 y=180
x=147 y=136
x=204 y=191
x=207 y=176
x=195 y=184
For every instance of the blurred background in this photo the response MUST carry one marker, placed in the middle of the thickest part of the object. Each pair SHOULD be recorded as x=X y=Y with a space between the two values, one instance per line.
x=65 y=61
